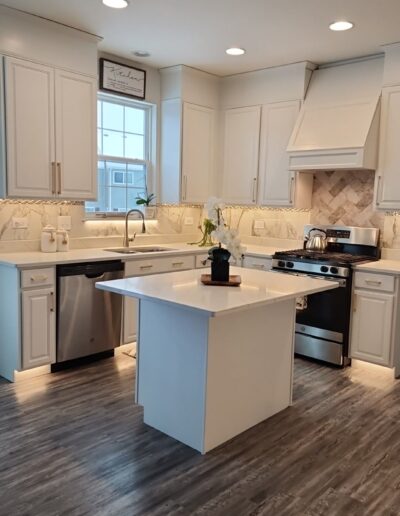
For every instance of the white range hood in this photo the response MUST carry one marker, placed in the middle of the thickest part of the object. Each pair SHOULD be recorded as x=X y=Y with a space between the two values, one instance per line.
x=338 y=125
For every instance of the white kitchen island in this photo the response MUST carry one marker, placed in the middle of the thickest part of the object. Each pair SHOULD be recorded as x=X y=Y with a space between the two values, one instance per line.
x=214 y=361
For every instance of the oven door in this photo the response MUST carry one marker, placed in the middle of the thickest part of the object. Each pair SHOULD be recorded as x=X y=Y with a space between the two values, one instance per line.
x=322 y=322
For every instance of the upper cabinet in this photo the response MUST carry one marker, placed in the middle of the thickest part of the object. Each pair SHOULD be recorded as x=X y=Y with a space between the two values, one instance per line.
x=279 y=186
x=189 y=118
x=387 y=184
x=240 y=154
x=256 y=164
x=50 y=128
x=198 y=142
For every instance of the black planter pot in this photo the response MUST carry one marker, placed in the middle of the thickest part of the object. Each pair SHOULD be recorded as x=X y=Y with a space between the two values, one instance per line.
x=220 y=271
x=219 y=264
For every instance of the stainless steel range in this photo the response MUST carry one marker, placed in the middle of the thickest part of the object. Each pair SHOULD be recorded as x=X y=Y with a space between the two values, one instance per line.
x=323 y=320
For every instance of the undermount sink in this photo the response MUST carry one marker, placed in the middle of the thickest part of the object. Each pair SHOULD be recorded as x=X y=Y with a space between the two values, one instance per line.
x=133 y=250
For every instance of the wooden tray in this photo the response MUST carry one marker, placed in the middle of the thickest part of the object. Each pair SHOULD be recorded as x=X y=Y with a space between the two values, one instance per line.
x=234 y=281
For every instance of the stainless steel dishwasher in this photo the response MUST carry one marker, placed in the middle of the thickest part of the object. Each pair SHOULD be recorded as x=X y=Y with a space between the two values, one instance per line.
x=88 y=319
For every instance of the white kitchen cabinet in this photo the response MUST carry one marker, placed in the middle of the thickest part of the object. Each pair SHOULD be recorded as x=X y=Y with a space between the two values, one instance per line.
x=76 y=145
x=372 y=326
x=30 y=138
x=375 y=319
x=38 y=327
x=50 y=132
x=241 y=154
x=387 y=184
x=279 y=186
x=198 y=136
x=141 y=268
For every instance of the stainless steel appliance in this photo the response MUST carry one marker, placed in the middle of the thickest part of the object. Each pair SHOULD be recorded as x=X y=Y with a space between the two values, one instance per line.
x=323 y=320
x=88 y=319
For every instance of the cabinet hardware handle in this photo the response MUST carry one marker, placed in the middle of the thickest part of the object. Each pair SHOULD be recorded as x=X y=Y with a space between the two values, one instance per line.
x=143 y=267
x=39 y=277
x=291 y=201
x=176 y=264
x=378 y=184
x=51 y=301
x=258 y=266
x=59 y=177
x=184 y=187
x=53 y=177
x=373 y=282
x=254 y=189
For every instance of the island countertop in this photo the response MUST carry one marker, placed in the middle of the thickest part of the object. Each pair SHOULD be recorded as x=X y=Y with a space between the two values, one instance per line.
x=185 y=289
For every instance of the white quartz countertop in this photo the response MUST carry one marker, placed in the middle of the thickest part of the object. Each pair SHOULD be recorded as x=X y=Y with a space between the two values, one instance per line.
x=25 y=259
x=185 y=289
x=384 y=266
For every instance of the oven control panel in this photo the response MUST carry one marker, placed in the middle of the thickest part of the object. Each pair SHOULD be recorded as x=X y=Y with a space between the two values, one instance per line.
x=311 y=268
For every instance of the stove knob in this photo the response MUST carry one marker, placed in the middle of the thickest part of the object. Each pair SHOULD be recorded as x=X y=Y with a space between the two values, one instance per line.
x=289 y=265
x=324 y=268
x=281 y=263
x=334 y=270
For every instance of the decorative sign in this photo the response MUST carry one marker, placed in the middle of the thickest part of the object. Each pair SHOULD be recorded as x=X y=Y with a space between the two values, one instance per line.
x=122 y=79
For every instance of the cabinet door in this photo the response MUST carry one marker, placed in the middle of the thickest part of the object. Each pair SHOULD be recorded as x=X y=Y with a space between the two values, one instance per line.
x=76 y=147
x=38 y=327
x=130 y=319
x=197 y=153
x=372 y=326
x=29 y=95
x=387 y=177
x=241 y=142
x=276 y=180
x=256 y=262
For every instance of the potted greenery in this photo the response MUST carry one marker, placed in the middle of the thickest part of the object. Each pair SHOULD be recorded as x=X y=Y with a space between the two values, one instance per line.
x=145 y=200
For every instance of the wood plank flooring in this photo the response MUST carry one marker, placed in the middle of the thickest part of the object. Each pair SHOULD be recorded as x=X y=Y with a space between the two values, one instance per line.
x=73 y=443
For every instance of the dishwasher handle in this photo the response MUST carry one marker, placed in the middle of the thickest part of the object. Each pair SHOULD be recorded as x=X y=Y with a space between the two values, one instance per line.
x=95 y=275
x=90 y=269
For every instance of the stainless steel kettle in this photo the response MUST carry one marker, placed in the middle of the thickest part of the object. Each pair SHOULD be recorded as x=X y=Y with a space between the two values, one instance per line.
x=316 y=242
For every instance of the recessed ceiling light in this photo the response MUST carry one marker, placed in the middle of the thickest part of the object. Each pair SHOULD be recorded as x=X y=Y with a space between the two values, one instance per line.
x=116 y=4
x=141 y=53
x=235 y=51
x=341 y=25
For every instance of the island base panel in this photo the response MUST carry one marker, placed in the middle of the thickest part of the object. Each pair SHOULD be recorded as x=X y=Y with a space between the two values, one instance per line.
x=204 y=380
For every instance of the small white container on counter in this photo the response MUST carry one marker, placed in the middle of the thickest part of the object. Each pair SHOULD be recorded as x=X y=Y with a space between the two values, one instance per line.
x=48 y=242
x=62 y=240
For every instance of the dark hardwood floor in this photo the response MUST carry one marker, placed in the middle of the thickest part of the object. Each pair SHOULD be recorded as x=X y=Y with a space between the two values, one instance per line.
x=73 y=443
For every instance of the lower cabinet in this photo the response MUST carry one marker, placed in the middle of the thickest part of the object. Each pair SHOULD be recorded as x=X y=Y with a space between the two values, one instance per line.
x=38 y=327
x=373 y=318
x=141 y=268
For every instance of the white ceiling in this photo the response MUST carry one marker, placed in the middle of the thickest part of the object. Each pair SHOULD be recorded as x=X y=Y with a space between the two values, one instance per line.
x=197 y=32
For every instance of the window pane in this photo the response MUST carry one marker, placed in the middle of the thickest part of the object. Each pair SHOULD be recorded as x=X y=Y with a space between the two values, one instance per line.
x=117 y=198
x=138 y=176
x=132 y=194
x=134 y=146
x=99 y=142
x=134 y=120
x=99 y=114
x=113 y=143
x=113 y=116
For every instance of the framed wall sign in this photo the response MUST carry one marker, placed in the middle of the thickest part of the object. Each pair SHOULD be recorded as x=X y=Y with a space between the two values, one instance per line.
x=122 y=79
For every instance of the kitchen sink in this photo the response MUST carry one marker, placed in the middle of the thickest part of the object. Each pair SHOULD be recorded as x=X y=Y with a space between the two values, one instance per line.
x=134 y=250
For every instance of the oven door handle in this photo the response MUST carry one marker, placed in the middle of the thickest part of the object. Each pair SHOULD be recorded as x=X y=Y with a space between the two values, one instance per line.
x=342 y=282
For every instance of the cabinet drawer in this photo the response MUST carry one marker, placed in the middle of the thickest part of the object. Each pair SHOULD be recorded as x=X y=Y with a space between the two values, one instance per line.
x=157 y=265
x=38 y=277
x=255 y=262
x=200 y=258
x=374 y=281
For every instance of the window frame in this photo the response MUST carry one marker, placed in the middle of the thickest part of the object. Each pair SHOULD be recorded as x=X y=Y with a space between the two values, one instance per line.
x=148 y=150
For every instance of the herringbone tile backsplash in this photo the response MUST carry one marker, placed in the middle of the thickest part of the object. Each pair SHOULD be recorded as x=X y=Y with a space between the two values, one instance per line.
x=345 y=197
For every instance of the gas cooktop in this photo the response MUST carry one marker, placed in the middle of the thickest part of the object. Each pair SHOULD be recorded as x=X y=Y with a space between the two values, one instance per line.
x=330 y=257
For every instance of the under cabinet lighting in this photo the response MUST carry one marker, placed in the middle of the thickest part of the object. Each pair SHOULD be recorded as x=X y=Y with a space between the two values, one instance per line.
x=116 y=4
x=235 y=51
x=341 y=25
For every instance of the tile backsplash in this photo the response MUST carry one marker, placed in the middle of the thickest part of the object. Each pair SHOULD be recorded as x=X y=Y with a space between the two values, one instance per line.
x=339 y=197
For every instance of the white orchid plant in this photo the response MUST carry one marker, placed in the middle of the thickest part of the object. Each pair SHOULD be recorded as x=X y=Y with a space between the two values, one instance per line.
x=222 y=233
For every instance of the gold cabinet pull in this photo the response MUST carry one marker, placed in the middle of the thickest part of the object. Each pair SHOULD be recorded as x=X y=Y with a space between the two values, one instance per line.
x=53 y=178
x=59 y=177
